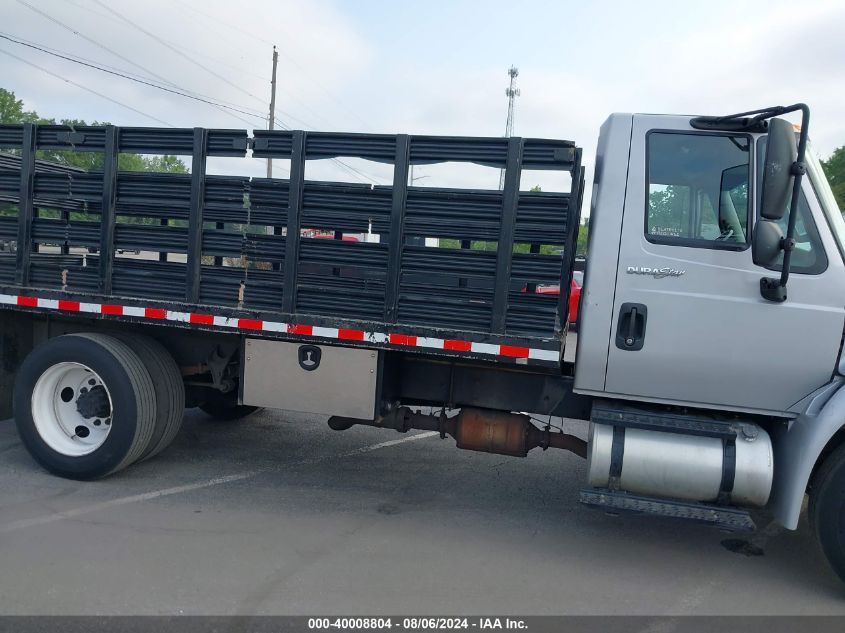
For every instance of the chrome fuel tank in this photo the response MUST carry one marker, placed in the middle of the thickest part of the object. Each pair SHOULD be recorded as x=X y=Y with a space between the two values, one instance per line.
x=688 y=467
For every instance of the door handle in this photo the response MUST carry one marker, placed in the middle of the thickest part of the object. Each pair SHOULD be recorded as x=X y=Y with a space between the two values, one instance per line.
x=630 y=329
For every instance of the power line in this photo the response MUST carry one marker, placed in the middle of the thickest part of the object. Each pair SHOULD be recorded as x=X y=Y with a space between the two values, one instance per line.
x=326 y=91
x=93 y=41
x=288 y=93
x=176 y=50
x=263 y=161
x=130 y=78
x=290 y=117
x=346 y=167
x=102 y=46
x=44 y=48
x=251 y=34
x=367 y=178
x=216 y=60
x=86 y=88
x=190 y=59
x=180 y=92
x=355 y=173
x=284 y=54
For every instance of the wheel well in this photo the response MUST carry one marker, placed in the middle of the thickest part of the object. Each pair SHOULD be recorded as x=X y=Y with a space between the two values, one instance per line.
x=832 y=444
x=16 y=341
x=204 y=358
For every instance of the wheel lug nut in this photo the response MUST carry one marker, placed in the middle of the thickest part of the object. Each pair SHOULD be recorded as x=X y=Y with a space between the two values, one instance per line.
x=96 y=423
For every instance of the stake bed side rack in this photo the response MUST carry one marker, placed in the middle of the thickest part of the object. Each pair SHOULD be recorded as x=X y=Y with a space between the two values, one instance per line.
x=246 y=253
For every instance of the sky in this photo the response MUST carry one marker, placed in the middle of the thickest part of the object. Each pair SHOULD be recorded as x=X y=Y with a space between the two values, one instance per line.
x=435 y=67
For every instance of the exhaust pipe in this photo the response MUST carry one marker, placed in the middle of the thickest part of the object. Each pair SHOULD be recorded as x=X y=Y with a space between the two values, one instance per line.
x=482 y=430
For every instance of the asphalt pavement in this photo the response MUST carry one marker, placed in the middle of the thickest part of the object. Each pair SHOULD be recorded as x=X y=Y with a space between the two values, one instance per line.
x=277 y=514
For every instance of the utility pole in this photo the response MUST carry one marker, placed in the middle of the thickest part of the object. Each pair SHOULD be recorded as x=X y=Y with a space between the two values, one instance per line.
x=272 y=120
x=512 y=92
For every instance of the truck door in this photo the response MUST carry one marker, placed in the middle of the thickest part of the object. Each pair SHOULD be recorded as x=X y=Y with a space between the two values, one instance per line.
x=689 y=325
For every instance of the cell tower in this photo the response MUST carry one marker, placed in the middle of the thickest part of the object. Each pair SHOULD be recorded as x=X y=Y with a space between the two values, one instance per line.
x=512 y=92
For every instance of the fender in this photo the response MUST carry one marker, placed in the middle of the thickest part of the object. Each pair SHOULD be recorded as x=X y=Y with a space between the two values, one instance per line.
x=797 y=446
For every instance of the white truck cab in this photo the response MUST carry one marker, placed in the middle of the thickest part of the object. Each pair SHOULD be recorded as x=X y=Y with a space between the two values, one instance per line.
x=673 y=309
x=672 y=217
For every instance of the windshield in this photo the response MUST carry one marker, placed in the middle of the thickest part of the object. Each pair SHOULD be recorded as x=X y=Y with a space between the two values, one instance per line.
x=826 y=198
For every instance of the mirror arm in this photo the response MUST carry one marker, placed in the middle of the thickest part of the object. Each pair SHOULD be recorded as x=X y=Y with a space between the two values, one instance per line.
x=775 y=289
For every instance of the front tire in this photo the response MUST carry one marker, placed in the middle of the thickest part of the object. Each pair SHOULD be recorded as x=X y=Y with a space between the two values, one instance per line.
x=84 y=405
x=827 y=509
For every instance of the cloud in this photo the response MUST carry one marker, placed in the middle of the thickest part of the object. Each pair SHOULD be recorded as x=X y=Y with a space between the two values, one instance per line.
x=378 y=67
x=211 y=33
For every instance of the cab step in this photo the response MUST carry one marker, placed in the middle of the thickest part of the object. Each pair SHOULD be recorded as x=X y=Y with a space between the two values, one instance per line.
x=726 y=518
x=631 y=416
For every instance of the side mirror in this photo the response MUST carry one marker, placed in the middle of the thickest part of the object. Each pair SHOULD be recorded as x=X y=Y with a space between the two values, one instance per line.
x=767 y=243
x=783 y=170
x=781 y=154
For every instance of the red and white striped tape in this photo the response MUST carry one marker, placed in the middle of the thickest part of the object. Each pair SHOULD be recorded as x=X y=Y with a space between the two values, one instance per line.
x=210 y=320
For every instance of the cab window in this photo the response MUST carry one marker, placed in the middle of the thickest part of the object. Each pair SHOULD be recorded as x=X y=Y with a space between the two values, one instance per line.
x=698 y=190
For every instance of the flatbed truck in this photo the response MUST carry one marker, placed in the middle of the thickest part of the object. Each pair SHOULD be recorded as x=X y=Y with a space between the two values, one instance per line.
x=708 y=370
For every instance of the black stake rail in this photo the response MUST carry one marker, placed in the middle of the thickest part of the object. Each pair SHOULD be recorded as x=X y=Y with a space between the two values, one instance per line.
x=195 y=221
x=504 y=252
x=25 y=203
x=107 y=210
x=397 y=226
x=297 y=178
x=285 y=247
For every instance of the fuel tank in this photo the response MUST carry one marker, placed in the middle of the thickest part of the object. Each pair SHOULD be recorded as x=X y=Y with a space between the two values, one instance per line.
x=688 y=467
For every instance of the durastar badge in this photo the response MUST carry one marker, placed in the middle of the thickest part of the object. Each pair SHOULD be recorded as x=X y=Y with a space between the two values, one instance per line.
x=657 y=273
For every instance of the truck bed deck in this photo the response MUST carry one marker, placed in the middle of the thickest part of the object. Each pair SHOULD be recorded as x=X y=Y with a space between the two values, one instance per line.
x=268 y=256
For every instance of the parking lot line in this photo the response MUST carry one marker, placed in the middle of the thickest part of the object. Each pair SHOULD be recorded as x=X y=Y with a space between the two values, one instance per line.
x=208 y=483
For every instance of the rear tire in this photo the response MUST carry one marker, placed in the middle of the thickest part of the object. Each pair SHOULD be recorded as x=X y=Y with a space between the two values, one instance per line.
x=84 y=405
x=224 y=407
x=827 y=509
x=169 y=390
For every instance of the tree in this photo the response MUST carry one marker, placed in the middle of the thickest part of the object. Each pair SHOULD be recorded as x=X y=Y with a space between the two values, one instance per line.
x=583 y=238
x=668 y=210
x=545 y=249
x=11 y=109
x=12 y=112
x=834 y=169
x=583 y=233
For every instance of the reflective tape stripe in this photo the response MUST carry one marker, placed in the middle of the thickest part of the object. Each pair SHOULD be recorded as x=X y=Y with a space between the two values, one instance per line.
x=342 y=334
x=202 y=319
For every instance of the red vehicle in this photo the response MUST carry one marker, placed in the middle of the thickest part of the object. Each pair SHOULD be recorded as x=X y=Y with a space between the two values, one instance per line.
x=330 y=236
x=574 y=294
